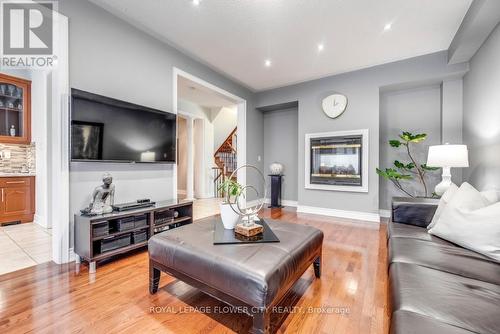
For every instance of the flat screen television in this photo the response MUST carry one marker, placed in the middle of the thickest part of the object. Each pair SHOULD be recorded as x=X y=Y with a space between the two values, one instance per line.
x=110 y=130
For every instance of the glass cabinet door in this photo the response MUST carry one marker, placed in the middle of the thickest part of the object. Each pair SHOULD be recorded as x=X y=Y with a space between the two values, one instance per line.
x=14 y=110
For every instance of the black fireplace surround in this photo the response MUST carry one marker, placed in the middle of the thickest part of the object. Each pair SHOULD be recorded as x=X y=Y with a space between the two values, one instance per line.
x=336 y=160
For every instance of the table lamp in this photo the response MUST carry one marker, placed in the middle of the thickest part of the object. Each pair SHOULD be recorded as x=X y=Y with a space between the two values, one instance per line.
x=447 y=156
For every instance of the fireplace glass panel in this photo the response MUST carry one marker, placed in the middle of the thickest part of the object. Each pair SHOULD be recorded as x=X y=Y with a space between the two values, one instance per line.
x=336 y=160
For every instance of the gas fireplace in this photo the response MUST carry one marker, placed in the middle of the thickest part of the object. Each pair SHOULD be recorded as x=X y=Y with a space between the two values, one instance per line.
x=337 y=160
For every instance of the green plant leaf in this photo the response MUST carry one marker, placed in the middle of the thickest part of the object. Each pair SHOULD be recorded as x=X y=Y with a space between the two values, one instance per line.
x=382 y=173
x=395 y=143
x=411 y=138
x=418 y=138
x=425 y=167
x=406 y=136
x=392 y=174
x=230 y=187
x=401 y=165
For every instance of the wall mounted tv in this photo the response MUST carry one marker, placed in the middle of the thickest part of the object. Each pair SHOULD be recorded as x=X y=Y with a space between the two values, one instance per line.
x=110 y=130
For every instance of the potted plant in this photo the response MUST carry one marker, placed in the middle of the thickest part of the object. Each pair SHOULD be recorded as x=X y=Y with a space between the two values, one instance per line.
x=231 y=190
x=409 y=170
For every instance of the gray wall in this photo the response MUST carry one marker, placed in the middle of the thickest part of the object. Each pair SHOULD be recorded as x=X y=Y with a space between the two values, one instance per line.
x=280 y=145
x=416 y=110
x=482 y=115
x=108 y=56
x=362 y=89
x=452 y=115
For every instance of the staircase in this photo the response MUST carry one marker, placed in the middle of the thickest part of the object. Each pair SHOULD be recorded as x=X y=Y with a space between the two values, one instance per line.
x=225 y=159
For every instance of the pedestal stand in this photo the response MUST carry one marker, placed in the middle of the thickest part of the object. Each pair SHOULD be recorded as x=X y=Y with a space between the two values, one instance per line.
x=276 y=191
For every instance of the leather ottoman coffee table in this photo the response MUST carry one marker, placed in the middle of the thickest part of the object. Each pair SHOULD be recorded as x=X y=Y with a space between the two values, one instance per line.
x=252 y=277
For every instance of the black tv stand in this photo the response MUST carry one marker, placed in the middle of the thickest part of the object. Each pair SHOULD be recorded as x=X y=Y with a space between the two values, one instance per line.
x=103 y=236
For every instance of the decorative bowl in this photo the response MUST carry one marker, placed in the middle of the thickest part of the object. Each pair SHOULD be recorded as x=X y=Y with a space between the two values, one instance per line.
x=276 y=168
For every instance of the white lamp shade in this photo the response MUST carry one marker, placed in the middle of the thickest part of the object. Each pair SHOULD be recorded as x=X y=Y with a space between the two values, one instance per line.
x=448 y=156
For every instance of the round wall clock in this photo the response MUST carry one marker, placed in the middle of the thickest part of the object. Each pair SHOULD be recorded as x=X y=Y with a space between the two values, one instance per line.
x=334 y=105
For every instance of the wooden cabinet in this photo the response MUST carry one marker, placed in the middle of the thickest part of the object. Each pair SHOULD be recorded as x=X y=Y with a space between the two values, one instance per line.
x=17 y=199
x=15 y=110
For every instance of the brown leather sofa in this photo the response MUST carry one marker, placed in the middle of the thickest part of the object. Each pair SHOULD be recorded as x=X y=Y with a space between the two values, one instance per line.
x=436 y=286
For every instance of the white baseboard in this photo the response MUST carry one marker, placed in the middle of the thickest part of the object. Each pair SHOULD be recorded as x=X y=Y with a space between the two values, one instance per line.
x=385 y=213
x=40 y=220
x=357 y=215
x=268 y=201
x=71 y=255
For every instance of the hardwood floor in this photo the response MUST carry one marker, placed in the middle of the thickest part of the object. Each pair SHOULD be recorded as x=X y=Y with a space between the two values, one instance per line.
x=349 y=298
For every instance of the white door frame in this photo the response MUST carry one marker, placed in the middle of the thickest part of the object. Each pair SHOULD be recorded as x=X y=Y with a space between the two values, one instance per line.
x=58 y=147
x=190 y=145
x=201 y=190
x=241 y=121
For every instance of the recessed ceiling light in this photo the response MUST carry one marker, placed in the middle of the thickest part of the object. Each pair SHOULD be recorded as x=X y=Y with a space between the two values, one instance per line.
x=267 y=63
x=388 y=26
x=196 y=2
x=321 y=46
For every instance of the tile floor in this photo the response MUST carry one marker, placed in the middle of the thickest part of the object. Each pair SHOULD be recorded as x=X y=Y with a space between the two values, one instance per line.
x=206 y=207
x=24 y=245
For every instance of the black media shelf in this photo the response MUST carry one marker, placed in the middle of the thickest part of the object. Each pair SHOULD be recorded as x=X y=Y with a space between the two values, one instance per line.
x=118 y=251
x=88 y=246
x=120 y=233
x=175 y=221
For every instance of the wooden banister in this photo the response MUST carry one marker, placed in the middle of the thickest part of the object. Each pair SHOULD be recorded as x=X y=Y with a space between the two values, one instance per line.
x=219 y=178
x=225 y=158
x=228 y=143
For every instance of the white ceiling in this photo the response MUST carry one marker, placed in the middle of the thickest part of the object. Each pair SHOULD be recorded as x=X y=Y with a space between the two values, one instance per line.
x=237 y=36
x=201 y=95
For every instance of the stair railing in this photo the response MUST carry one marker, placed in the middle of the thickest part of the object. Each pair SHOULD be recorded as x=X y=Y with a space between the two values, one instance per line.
x=226 y=160
x=219 y=178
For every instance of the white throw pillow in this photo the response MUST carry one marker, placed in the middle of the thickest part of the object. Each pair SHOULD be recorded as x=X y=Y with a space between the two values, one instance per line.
x=445 y=199
x=490 y=195
x=470 y=221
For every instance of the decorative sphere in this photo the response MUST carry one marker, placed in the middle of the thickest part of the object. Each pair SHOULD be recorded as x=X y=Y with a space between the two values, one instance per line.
x=276 y=168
